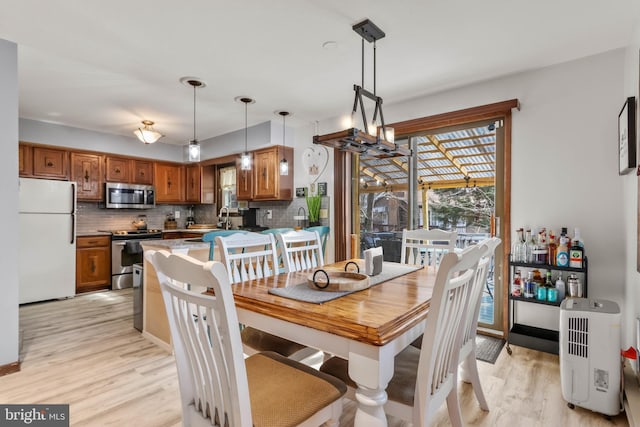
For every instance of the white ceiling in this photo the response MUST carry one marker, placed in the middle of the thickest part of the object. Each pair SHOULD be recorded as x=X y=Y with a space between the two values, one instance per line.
x=107 y=65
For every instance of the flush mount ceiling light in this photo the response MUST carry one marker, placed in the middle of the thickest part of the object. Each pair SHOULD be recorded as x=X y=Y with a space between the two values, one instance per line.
x=374 y=142
x=193 y=150
x=284 y=165
x=245 y=158
x=147 y=133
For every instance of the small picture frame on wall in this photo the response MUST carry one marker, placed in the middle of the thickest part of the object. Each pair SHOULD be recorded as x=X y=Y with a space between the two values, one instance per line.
x=627 y=136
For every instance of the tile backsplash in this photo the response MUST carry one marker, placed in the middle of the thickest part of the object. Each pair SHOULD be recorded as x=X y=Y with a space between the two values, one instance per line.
x=92 y=217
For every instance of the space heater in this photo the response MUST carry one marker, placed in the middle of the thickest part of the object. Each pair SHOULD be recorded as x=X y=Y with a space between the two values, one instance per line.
x=590 y=363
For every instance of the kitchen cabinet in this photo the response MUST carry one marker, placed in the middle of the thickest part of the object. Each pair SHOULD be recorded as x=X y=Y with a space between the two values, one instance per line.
x=193 y=183
x=86 y=171
x=244 y=183
x=529 y=336
x=268 y=183
x=169 y=179
x=168 y=235
x=43 y=162
x=93 y=263
x=25 y=160
x=132 y=171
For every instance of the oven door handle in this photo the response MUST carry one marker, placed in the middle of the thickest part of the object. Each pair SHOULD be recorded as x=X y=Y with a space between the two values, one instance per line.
x=120 y=243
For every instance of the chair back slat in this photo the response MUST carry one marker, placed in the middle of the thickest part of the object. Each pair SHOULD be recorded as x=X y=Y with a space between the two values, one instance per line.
x=301 y=250
x=248 y=256
x=323 y=232
x=426 y=247
x=206 y=340
x=210 y=238
x=443 y=333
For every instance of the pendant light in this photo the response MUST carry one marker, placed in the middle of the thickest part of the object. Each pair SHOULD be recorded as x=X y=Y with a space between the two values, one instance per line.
x=284 y=165
x=193 y=149
x=245 y=158
x=147 y=133
x=372 y=141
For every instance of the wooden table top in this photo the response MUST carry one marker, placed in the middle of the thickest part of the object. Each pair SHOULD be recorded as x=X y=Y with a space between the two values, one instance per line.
x=373 y=316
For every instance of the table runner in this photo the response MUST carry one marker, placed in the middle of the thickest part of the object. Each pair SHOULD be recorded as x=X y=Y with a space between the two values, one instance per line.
x=302 y=291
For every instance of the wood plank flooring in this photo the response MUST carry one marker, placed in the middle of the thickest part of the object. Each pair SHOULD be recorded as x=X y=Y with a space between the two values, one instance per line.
x=85 y=352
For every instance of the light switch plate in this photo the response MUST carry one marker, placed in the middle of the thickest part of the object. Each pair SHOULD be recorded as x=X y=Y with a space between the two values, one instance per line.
x=176 y=215
x=301 y=191
x=324 y=213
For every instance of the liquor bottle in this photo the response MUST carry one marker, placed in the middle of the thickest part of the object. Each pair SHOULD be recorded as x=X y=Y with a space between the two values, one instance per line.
x=529 y=245
x=576 y=255
x=560 y=286
x=517 y=255
x=566 y=235
x=516 y=286
x=529 y=286
x=562 y=258
x=553 y=248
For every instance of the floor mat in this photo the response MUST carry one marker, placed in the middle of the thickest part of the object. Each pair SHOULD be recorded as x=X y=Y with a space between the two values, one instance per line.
x=488 y=348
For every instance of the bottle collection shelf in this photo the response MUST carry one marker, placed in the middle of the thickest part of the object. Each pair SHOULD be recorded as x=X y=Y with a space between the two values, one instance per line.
x=531 y=336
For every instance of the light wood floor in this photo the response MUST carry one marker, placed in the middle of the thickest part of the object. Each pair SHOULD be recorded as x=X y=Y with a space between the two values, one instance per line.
x=85 y=352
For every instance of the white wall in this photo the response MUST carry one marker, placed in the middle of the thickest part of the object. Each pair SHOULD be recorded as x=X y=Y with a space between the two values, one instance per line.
x=9 y=195
x=630 y=188
x=564 y=158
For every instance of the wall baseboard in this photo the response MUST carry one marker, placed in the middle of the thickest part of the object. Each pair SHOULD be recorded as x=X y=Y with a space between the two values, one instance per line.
x=9 y=368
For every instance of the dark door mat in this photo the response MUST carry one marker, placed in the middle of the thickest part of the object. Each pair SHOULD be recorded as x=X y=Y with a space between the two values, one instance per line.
x=488 y=348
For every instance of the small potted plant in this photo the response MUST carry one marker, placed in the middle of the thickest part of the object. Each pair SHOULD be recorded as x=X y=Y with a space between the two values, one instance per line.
x=313 y=207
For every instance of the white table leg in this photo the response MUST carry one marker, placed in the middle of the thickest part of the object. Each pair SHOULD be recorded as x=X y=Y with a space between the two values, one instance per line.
x=372 y=369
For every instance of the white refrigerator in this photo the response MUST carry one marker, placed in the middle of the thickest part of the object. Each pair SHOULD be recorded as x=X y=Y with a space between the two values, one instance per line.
x=47 y=254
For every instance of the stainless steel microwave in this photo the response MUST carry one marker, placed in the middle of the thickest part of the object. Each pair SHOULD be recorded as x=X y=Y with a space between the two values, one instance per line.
x=129 y=196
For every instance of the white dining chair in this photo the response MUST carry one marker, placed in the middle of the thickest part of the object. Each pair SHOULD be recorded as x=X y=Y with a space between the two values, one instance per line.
x=426 y=247
x=467 y=359
x=252 y=256
x=301 y=250
x=425 y=378
x=217 y=385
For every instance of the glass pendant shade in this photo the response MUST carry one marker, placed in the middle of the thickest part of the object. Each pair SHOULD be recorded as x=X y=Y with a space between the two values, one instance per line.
x=284 y=167
x=147 y=134
x=194 y=151
x=245 y=161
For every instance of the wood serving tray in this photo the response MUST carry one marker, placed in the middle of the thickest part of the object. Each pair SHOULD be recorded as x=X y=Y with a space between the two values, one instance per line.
x=336 y=281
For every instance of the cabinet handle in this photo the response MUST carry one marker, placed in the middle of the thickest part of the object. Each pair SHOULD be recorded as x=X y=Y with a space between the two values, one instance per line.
x=193 y=184
x=49 y=163
x=93 y=266
x=168 y=183
x=86 y=175
x=264 y=173
x=117 y=170
x=141 y=173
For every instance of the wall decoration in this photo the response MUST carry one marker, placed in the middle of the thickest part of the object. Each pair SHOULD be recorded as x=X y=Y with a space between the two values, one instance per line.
x=627 y=136
x=315 y=160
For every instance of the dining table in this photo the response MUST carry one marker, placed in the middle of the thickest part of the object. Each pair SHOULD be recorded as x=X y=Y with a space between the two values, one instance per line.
x=367 y=327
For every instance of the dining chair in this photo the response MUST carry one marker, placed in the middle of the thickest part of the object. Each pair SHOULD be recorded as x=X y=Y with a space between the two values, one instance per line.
x=323 y=232
x=210 y=237
x=301 y=250
x=217 y=385
x=275 y=232
x=467 y=359
x=426 y=247
x=425 y=378
x=252 y=256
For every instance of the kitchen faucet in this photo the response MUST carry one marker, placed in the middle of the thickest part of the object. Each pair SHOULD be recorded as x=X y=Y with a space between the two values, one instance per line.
x=301 y=222
x=226 y=223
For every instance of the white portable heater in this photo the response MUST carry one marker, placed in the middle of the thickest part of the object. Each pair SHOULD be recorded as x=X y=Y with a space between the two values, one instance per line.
x=590 y=365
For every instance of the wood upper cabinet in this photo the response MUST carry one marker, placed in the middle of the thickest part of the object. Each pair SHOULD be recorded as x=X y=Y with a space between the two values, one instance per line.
x=169 y=179
x=142 y=172
x=86 y=171
x=93 y=263
x=193 y=183
x=268 y=184
x=133 y=171
x=118 y=169
x=244 y=183
x=25 y=160
x=50 y=163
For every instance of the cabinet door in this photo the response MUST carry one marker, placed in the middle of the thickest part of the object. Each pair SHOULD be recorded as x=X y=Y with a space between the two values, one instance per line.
x=86 y=171
x=118 y=169
x=264 y=176
x=142 y=172
x=25 y=160
x=244 y=184
x=93 y=263
x=50 y=163
x=169 y=183
x=193 y=174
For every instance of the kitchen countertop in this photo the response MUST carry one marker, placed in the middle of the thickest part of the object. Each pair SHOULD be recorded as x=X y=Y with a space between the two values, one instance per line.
x=173 y=244
x=92 y=233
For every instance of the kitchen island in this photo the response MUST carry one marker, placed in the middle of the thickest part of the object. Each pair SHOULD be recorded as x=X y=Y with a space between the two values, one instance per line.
x=155 y=323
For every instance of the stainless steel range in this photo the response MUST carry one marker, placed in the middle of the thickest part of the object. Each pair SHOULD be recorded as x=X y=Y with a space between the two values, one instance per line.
x=126 y=251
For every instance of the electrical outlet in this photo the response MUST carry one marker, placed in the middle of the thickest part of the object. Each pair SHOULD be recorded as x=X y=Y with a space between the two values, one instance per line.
x=269 y=214
x=176 y=214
